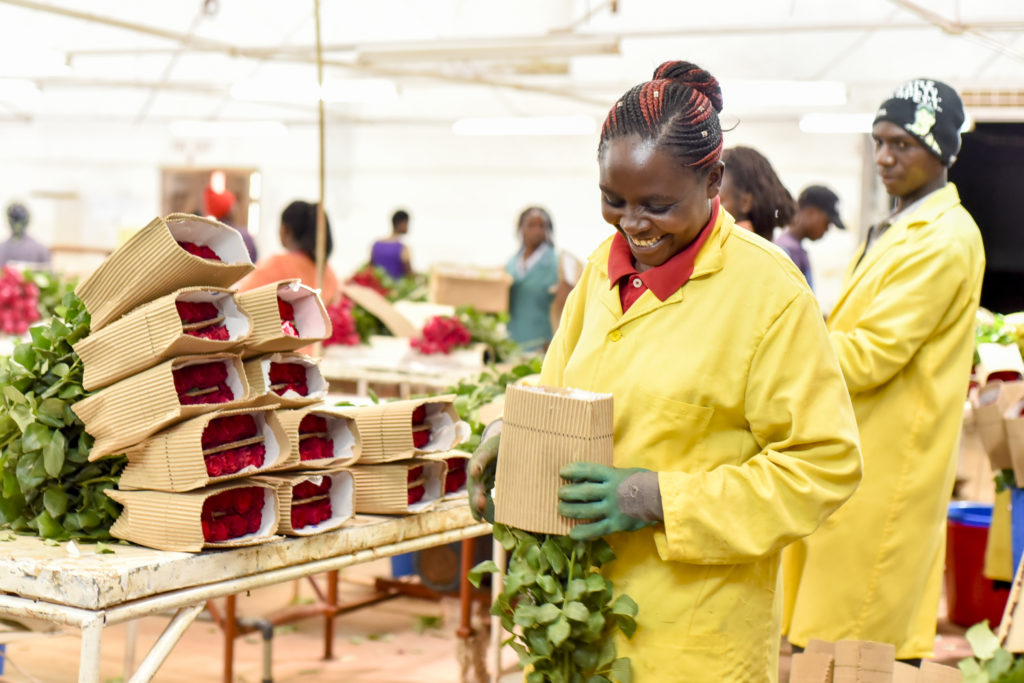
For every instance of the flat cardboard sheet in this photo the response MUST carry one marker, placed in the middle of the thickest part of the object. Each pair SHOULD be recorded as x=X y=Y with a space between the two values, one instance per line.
x=151 y=265
x=172 y=460
x=311 y=319
x=342 y=495
x=257 y=374
x=381 y=308
x=544 y=429
x=127 y=412
x=153 y=333
x=383 y=489
x=173 y=521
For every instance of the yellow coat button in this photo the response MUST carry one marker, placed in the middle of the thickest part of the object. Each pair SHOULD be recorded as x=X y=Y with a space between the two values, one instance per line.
x=615 y=335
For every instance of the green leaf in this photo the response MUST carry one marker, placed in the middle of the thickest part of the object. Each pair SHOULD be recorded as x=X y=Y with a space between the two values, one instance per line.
x=597 y=583
x=537 y=641
x=980 y=637
x=476 y=574
x=576 y=611
x=548 y=584
x=547 y=612
x=558 y=631
x=22 y=416
x=35 y=438
x=599 y=679
x=47 y=526
x=595 y=625
x=526 y=615
x=603 y=553
x=625 y=605
x=8 y=427
x=60 y=369
x=972 y=671
x=30 y=472
x=70 y=391
x=607 y=653
x=503 y=535
x=622 y=671
x=41 y=338
x=10 y=484
x=585 y=658
x=55 y=501
x=556 y=558
x=53 y=408
x=999 y=664
x=576 y=589
x=24 y=356
x=104 y=549
x=626 y=624
x=14 y=396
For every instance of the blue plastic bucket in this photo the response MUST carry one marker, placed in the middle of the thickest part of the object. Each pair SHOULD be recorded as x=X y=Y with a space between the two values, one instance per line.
x=1017 y=523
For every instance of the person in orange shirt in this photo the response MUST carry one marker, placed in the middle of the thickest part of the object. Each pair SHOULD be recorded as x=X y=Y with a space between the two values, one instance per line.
x=298 y=237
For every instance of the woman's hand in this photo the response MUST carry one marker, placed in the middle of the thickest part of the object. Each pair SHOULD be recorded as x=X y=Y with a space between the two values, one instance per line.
x=615 y=499
x=480 y=473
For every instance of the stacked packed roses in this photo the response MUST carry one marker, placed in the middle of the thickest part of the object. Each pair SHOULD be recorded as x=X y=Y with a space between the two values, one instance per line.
x=368 y=278
x=441 y=334
x=232 y=514
x=456 y=477
x=315 y=442
x=420 y=429
x=194 y=313
x=229 y=445
x=416 y=488
x=287 y=317
x=311 y=504
x=19 y=302
x=343 y=324
x=200 y=250
x=288 y=377
x=203 y=383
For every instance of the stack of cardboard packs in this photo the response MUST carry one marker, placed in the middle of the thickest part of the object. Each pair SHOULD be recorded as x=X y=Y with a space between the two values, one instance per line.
x=998 y=406
x=193 y=381
x=859 y=661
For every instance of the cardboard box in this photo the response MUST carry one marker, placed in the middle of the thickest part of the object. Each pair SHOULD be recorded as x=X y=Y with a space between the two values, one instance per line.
x=385 y=489
x=544 y=429
x=485 y=289
x=174 y=459
x=932 y=672
x=173 y=521
x=311 y=319
x=999 y=362
x=126 y=412
x=861 y=661
x=154 y=332
x=152 y=264
x=811 y=667
x=263 y=392
x=994 y=399
x=346 y=441
x=387 y=429
x=341 y=495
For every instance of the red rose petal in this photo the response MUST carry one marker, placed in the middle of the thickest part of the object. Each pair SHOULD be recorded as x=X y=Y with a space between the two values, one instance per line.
x=415 y=473
x=283 y=373
x=421 y=438
x=192 y=312
x=312 y=423
x=213 y=332
x=416 y=494
x=419 y=415
x=285 y=309
x=200 y=250
x=288 y=327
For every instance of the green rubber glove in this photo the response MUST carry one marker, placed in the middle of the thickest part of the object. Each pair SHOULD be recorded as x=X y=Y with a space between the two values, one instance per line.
x=593 y=494
x=480 y=475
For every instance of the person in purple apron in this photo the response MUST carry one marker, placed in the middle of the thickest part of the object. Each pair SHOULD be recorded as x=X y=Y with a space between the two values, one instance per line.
x=391 y=254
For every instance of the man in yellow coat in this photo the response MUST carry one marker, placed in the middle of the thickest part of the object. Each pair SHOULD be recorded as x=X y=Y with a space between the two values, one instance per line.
x=903 y=330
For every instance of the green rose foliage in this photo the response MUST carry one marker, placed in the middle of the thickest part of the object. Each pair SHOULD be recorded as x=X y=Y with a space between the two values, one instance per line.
x=49 y=487
x=990 y=663
x=471 y=395
x=562 y=614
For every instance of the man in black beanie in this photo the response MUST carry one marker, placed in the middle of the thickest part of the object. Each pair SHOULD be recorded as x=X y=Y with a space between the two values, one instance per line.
x=903 y=330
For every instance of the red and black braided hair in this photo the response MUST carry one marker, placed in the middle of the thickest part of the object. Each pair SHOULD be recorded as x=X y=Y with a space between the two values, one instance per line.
x=677 y=109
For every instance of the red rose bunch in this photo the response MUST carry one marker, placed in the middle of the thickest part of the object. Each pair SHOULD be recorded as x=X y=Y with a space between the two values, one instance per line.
x=200 y=250
x=456 y=477
x=203 y=383
x=192 y=312
x=416 y=494
x=367 y=278
x=231 y=514
x=287 y=312
x=315 y=442
x=343 y=324
x=19 y=302
x=421 y=437
x=419 y=416
x=223 y=431
x=313 y=512
x=288 y=376
x=212 y=332
x=416 y=488
x=308 y=489
x=441 y=334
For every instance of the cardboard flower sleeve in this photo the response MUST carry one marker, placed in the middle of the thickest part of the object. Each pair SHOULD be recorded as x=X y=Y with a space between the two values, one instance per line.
x=341 y=496
x=544 y=429
x=152 y=264
x=342 y=432
x=263 y=391
x=126 y=412
x=173 y=460
x=173 y=521
x=310 y=317
x=389 y=431
x=994 y=399
x=154 y=332
x=384 y=489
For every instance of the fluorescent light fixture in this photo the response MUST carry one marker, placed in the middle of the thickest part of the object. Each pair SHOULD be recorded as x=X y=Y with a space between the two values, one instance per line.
x=748 y=94
x=29 y=63
x=227 y=129
x=349 y=90
x=19 y=92
x=488 y=49
x=836 y=123
x=526 y=125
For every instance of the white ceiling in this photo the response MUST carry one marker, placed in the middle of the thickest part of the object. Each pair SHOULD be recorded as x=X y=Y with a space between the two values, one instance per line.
x=161 y=62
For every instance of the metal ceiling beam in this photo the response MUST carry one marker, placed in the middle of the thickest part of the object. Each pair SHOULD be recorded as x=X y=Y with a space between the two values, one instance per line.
x=957 y=28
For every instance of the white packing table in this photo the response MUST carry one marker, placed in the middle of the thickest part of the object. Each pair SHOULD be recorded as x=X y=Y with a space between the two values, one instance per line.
x=90 y=591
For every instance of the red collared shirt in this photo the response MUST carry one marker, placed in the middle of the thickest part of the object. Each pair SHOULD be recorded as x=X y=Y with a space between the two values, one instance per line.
x=663 y=280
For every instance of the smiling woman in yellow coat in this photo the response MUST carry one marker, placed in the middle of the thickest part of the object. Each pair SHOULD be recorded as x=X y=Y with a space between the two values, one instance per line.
x=903 y=330
x=734 y=434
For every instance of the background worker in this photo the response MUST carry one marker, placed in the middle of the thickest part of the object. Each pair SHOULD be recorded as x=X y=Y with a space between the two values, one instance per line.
x=534 y=271
x=391 y=253
x=816 y=210
x=715 y=472
x=903 y=330
x=753 y=194
x=21 y=247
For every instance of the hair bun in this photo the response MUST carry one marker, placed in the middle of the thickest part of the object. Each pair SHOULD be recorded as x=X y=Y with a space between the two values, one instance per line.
x=693 y=76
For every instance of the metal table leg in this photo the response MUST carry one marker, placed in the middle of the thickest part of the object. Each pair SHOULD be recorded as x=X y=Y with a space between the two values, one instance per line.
x=92 y=642
x=165 y=643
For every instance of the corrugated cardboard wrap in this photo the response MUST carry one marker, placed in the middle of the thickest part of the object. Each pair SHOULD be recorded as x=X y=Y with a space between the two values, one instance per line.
x=342 y=495
x=386 y=429
x=257 y=374
x=126 y=412
x=463 y=490
x=343 y=430
x=485 y=289
x=173 y=521
x=861 y=661
x=311 y=320
x=811 y=667
x=152 y=264
x=544 y=429
x=932 y=672
x=154 y=332
x=382 y=309
x=1011 y=626
x=994 y=399
x=172 y=460
x=1004 y=359
x=384 y=489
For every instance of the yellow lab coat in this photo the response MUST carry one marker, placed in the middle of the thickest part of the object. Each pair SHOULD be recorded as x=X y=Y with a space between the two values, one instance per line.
x=730 y=391
x=903 y=330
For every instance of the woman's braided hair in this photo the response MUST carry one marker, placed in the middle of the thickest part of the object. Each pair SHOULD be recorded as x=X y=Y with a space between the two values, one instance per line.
x=677 y=109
